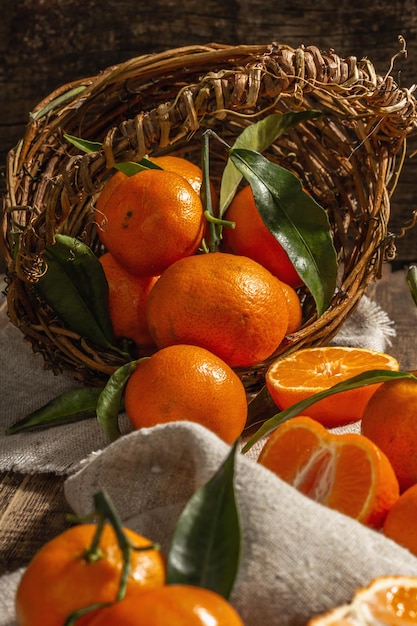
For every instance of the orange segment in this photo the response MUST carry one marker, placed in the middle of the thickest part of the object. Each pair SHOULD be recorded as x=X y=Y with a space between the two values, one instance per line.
x=301 y=374
x=346 y=472
x=389 y=600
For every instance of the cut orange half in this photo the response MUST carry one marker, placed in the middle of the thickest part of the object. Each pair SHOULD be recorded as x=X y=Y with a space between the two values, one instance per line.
x=307 y=371
x=346 y=472
x=386 y=601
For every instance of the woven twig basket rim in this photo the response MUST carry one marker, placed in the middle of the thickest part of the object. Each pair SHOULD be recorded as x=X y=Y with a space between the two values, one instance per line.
x=192 y=86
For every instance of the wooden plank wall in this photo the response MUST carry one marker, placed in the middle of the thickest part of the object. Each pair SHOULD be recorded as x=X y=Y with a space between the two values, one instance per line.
x=45 y=43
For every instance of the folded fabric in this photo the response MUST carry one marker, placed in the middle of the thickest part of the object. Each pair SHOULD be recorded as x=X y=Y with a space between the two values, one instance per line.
x=299 y=558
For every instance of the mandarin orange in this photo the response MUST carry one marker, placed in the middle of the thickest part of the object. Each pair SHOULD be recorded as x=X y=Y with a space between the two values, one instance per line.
x=62 y=577
x=390 y=420
x=252 y=238
x=400 y=523
x=184 y=382
x=346 y=472
x=128 y=294
x=388 y=600
x=300 y=374
x=295 y=311
x=151 y=220
x=171 y=605
x=226 y=303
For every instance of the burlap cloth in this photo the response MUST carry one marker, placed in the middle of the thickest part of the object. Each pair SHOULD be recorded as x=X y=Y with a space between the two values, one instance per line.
x=299 y=558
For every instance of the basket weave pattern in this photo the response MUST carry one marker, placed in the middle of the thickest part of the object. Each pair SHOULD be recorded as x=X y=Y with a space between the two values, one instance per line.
x=349 y=159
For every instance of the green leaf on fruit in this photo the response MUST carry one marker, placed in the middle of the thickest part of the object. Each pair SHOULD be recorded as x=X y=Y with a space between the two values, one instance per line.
x=258 y=137
x=296 y=220
x=205 y=548
x=370 y=377
x=110 y=402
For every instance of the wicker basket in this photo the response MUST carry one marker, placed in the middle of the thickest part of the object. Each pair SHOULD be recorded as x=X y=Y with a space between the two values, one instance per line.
x=349 y=159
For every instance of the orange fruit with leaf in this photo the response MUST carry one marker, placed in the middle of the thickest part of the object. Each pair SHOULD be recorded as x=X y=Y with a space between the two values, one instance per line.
x=69 y=573
x=187 y=382
x=171 y=605
x=128 y=294
x=390 y=420
x=226 y=303
x=150 y=220
x=387 y=600
x=301 y=374
x=252 y=238
x=346 y=472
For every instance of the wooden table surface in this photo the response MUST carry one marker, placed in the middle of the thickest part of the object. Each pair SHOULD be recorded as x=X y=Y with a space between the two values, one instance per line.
x=33 y=508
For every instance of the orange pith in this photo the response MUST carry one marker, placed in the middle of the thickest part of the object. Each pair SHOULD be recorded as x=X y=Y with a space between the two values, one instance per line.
x=173 y=605
x=252 y=238
x=301 y=374
x=184 y=382
x=390 y=420
x=389 y=600
x=128 y=294
x=228 y=304
x=59 y=581
x=344 y=472
x=151 y=220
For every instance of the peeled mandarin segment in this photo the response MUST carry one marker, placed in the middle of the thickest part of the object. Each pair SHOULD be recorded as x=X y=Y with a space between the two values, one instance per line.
x=308 y=371
x=344 y=472
x=392 y=600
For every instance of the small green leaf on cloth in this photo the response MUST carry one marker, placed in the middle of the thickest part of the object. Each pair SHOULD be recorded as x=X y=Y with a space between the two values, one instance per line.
x=296 y=220
x=205 y=548
x=110 y=402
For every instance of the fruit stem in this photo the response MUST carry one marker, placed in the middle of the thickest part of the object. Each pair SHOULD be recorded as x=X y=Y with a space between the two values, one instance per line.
x=105 y=511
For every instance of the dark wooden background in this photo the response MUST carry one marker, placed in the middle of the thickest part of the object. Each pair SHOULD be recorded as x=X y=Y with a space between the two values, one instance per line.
x=45 y=43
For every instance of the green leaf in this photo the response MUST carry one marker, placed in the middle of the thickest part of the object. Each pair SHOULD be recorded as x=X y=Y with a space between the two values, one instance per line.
x=361 y=380
x=110 y=402
x=296 y=220
x=58 y=102
x=411 y=280
x=70 y=406
x=205 y=548
x=258 y=137
x=128 y=167
x=75 y=286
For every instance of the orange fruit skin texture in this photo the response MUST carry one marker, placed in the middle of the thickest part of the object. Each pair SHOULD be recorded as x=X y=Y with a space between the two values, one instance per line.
x=390 y=420
x=252 y=238
x=301 y=374
x=226 y=303
x=183 y=382
x=346 y=472
x=295 y=311
x=400 y=523
x=128 y=294
x=171 y=605
x=389 y=600
x=59 y=581
x=151 y=220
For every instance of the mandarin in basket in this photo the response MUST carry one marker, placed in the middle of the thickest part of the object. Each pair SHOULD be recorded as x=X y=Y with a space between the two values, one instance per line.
x=65 y=576
x=150 y=220
x=295 y=311
x=301 y=374
x=386 y=601
x=171 y=605
x=390 y=420
x=128 y=294
x=346 y=472
x=252 y=238
x=226 y=303
x=184 y=382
